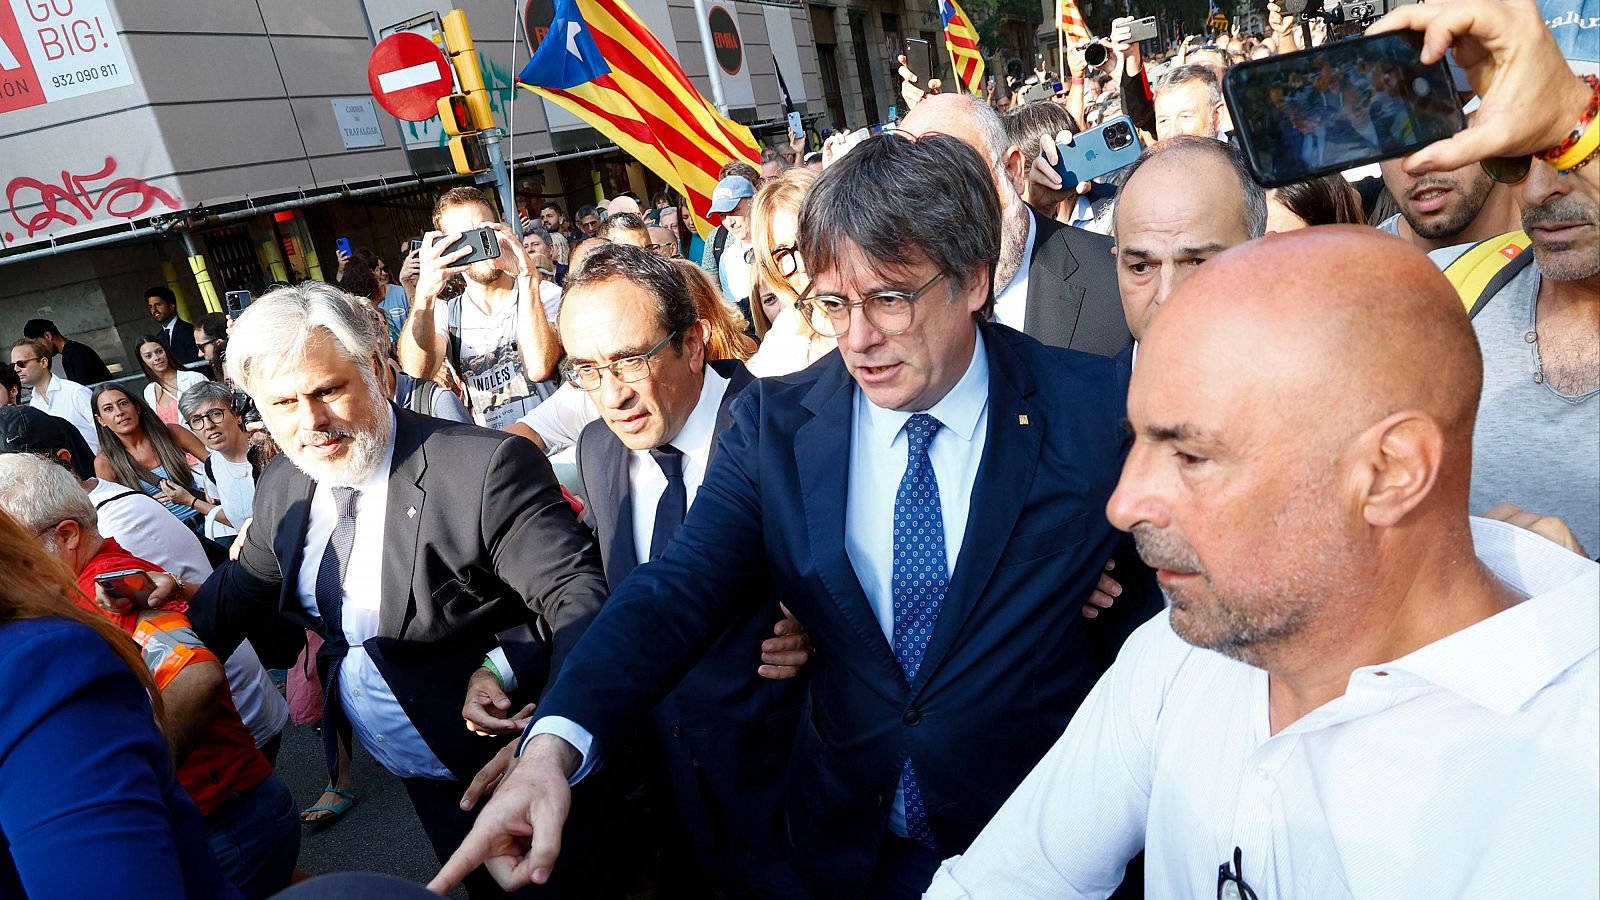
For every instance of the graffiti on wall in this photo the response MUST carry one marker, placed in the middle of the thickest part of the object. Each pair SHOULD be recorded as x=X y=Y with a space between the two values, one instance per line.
x=79 y=199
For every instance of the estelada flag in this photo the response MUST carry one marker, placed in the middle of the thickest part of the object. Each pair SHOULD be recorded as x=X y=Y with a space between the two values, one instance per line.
x=602 y=64
x=1070 y=22
x=961 y=39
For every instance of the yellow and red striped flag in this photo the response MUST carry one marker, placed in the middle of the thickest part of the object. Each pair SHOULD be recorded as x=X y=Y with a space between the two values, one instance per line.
x=1070 y=22
x=602 y=64
x=961 y=39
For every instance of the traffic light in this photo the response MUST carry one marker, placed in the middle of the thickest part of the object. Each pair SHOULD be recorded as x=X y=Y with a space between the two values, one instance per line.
x=469 y=74
x=468 y=154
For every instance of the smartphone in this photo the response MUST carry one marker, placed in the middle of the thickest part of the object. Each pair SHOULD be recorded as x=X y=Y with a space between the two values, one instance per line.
x=343 y=244
x=413 y=246
x=1339 y=106
x=797 y=128
x=129 y=584
x=485 y=244
x=1142 y=30
x=1098 y=152
x=1038 y=92
x=919 y=59
x=235 y=302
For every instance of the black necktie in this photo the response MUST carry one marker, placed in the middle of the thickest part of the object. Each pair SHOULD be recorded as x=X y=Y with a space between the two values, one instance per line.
x=674 y=500
x=330 y=605
x=336 y=562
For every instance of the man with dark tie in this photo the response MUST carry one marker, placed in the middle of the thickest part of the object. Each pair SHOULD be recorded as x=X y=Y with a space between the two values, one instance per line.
x=174 y=333
x=427 y=554
x=931 y=502
x=636 y=344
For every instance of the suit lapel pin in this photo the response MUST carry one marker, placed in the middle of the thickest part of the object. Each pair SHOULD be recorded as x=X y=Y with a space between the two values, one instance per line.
x=1022 y=420
x=411 y=512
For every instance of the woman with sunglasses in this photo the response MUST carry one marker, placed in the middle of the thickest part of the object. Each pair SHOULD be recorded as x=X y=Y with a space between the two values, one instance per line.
x=167 y=381
x=139 y=451
x=788 y=342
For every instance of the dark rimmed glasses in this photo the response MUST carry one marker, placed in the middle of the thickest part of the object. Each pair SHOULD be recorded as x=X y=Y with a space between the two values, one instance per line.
x=626 y=370
x=786 y=258
x=891 y=312
x=215 y=415
x=1230 y=880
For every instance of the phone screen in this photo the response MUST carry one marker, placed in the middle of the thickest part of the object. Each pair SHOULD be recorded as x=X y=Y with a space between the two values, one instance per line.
x=1338 y=106
x=131 y=584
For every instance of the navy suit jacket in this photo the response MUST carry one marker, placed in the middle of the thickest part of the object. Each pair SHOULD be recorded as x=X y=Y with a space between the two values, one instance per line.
x=1011 y=656
x=724 y=731
x=89 y=804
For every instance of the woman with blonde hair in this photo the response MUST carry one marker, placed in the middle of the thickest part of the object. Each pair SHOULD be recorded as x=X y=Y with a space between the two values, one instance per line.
x=728 y=338
x=560 y=247
x=788 y=343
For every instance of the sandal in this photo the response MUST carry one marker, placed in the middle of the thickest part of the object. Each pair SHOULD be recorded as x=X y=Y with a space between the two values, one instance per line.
x=336 y=811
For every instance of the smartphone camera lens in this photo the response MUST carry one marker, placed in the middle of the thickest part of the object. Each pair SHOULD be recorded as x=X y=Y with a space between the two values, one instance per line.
x=1421 y=86
x=1118 y=136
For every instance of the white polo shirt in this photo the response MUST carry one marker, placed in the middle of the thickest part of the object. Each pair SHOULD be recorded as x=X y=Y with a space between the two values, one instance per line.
x=1468 y=768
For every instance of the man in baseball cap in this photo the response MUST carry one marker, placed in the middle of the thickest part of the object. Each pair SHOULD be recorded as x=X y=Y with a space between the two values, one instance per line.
x=730 y=208
x=24 y=429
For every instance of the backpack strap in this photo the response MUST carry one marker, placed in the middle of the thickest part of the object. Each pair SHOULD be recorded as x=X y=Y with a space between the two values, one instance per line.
x=1487 y=267
x=421 y=398
x=115 y=497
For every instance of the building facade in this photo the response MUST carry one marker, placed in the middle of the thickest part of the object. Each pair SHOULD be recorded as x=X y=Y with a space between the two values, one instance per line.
x=221 y=146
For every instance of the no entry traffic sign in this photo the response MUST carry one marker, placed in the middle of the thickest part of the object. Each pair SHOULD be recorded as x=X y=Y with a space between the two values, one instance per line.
x=408 y=74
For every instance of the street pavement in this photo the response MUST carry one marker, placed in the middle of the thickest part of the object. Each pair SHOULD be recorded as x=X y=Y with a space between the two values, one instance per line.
x=380 y=834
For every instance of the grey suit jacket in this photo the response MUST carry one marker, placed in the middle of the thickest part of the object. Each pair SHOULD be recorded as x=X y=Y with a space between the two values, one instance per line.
x=1073 y=300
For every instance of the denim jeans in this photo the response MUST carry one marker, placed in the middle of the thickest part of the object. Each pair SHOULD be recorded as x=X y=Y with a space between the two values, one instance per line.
x=255 y=835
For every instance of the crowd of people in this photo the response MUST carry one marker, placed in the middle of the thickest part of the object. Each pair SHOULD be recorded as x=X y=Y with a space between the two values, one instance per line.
x=929 y=527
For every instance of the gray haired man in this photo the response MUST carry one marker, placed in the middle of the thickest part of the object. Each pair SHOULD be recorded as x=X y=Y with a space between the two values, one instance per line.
x=433 y=558
x=1188 y=100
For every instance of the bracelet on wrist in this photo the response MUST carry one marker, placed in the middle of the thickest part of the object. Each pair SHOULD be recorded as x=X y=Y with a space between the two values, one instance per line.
x=1579 y=146
x=488 y=663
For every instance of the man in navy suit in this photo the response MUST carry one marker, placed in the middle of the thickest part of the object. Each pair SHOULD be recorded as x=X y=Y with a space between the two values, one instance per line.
x=931 y=501
x=636 y=344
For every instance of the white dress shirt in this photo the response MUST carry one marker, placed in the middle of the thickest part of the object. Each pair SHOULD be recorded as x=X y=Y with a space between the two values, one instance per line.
x=646 y=484
x=878 y=449
x=1467 y=768
x=67 y=399
x=375 y=714
x=1011 y=303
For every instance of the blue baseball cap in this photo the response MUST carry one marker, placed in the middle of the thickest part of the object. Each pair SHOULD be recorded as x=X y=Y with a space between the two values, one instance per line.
x=729 y=192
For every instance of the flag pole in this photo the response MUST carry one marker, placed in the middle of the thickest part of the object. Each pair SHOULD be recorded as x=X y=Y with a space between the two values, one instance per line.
x=955 y=74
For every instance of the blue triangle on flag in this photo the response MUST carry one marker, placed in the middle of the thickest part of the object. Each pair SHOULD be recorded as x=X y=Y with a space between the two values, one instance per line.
x=568 y=56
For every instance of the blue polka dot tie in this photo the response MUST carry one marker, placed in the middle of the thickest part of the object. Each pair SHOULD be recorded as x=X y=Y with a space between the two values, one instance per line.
x=917 y=583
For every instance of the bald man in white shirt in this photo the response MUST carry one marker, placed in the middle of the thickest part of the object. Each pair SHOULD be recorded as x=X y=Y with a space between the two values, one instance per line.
x=1357 y=690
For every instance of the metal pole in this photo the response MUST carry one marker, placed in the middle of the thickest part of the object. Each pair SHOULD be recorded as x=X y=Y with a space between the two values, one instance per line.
x=499 y=175
x=712 y=69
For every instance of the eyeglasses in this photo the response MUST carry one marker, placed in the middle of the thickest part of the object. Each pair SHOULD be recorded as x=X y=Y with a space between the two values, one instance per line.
x=890 y=312
x=664 y=249
x=1230 y=880
x=201 y=347
x=786 y=258
x=215 y=417
x=23 y=363
x=626 y=370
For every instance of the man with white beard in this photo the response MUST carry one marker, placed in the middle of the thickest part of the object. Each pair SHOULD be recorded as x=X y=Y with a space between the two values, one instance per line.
x=437 y=560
